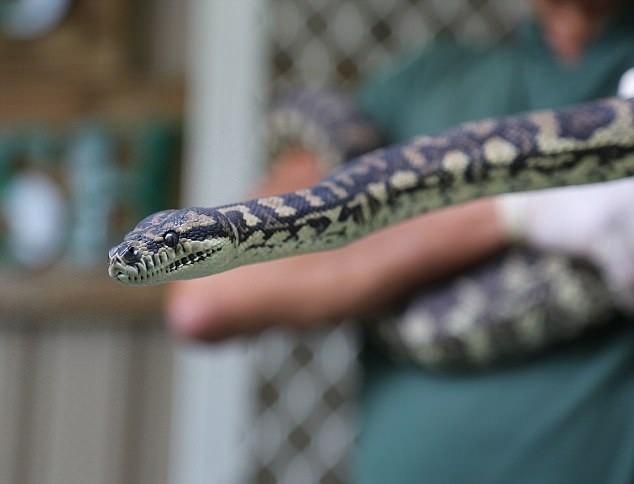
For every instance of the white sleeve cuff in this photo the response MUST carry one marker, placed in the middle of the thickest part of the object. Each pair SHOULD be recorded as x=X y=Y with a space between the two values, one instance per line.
x=512 y=212
x=626 y=84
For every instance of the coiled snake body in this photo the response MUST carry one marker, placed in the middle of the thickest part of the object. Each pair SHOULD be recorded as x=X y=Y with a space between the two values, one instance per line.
x=582 y=144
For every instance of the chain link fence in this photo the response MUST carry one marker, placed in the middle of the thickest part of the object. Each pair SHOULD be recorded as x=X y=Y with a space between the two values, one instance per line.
x=306 y=381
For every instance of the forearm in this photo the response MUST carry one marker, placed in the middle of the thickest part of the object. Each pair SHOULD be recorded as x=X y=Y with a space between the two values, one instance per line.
x=373 y=273
x=361 y=278
x=352 y=281
x=441 y=243
x=392 y=263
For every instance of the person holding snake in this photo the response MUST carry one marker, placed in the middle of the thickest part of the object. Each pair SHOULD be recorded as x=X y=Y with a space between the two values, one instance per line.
x=562 y=413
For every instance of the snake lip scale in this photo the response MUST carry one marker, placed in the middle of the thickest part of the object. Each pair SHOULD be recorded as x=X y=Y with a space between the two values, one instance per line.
x=157 y=265
x=588 y=143
x=150 y=267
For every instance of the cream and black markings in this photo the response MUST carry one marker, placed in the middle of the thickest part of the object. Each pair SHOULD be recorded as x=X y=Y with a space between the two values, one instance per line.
x=168 y=242
x=583 y=144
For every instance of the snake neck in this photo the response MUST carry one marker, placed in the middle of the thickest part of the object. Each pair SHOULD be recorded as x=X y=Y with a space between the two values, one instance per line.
x=576 y=145
x=272 y=227
x=326 y=216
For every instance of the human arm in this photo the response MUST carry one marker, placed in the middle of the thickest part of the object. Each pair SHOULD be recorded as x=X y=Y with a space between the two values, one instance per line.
x=533 y=292
x=391 y=278
x=309 y=131
x=361 y=278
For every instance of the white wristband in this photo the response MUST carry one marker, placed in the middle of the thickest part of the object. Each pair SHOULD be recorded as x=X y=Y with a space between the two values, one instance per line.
x=512 y=210
x=626 y=84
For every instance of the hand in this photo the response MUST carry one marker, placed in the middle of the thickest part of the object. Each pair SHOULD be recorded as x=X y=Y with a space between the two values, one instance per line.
x=592 y=221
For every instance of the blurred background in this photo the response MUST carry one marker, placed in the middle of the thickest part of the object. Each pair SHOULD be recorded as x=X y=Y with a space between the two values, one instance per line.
x=110 y=111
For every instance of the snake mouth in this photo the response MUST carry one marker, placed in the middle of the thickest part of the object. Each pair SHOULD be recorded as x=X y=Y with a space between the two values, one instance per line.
x=152 y=269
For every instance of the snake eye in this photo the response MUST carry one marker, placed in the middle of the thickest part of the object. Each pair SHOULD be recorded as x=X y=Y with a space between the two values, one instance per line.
x=131 y=255
x=171 y=239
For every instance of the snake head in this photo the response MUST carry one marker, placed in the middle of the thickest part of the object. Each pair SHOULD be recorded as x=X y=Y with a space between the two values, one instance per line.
x=172 y=245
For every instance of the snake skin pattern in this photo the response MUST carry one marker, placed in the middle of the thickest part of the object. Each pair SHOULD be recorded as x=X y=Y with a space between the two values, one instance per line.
x=582 y=144
x=514 y=306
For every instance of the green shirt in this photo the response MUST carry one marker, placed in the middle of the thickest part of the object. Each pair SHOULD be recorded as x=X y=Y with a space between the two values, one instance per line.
x=566 y=416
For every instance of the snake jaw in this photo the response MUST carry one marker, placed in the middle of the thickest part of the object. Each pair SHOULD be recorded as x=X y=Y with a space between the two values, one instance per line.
x=189 y=259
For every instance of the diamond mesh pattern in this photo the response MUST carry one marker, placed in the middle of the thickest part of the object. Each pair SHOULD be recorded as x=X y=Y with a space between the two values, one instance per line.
x=306 y=386
x=306 y=382
x=332 y=41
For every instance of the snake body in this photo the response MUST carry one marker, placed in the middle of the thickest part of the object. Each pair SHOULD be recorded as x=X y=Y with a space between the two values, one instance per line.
x=588 y=143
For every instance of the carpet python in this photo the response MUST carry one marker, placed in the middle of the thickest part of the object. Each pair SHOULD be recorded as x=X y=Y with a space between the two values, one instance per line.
x=587 y=143
x=513 y=306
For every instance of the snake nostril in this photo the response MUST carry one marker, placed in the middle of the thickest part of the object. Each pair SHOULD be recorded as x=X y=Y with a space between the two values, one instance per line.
x=131 y=255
